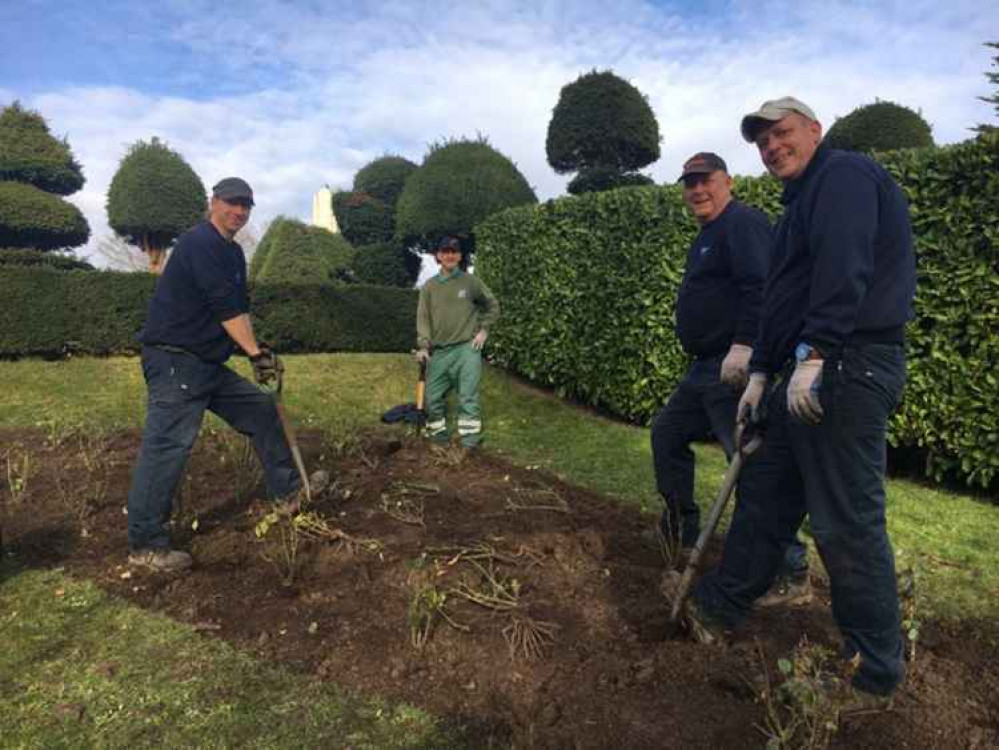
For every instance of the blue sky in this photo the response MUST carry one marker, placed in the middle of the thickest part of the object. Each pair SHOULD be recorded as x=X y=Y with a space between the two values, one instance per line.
x=292 y=95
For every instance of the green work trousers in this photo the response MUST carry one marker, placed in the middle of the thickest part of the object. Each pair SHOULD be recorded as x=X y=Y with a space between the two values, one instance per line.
x=456 y=366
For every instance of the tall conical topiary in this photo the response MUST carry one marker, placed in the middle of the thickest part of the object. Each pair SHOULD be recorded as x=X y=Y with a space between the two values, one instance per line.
x=459 y=184
x=154 y=197
x=36 y=170
x=882 y=126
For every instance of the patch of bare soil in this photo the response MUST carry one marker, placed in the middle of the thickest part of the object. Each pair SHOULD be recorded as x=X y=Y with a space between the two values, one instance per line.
x=524 y=609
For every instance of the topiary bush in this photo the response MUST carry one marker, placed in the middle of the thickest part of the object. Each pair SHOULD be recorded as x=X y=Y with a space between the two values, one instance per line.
x=32 y=218
x=384 y=178
x=601 y=122
x=882 y=126
x=154 y=197
x=459 y=184
x=298 y=253
x=15 y=256
x=362 y=218
x=383 y=264
x=29 y=153
x=588 y=287
x=597 y=179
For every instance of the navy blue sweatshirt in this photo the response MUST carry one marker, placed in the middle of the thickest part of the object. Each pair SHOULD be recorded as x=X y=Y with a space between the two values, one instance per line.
x=203 y=284
x=721 y=293
x=844 y=270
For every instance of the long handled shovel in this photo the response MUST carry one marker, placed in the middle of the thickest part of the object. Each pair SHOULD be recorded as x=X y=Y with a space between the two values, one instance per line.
x=421 y=392
x=728 y=484
x=289 y=435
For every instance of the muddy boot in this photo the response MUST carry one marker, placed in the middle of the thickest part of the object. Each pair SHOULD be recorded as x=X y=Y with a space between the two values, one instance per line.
x=860 y=702
x=787 y=591
x=292 y=505
x=701 y=628
x=160 y=560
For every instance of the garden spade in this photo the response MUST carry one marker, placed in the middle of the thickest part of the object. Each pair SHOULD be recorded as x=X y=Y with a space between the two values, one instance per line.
x=744 y=447
x=421 y=392
x=289 y=435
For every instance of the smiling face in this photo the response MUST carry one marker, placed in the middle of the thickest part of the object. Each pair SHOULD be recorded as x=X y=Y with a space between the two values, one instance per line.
x=229 y=216
x=787 y=146
x=449 y=258
x=706 y=195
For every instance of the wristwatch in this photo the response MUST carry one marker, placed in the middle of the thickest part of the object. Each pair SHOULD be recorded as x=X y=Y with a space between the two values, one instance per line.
x=804 y=352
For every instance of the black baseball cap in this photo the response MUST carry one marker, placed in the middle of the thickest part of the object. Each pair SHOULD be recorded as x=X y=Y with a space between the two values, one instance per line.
x=233 y=188
x=704 y=162
x=449 y=243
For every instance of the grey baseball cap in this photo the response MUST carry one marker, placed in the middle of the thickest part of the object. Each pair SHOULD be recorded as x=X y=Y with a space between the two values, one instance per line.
x=771 y=111
x=233 y=188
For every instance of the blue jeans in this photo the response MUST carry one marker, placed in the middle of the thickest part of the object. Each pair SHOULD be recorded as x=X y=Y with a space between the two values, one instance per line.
x=180 y=388
x=834 y=471
x=701 y=405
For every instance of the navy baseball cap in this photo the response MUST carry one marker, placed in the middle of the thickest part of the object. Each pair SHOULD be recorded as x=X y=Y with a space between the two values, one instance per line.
x=704 y=162
x=233 y=188
x=449 y=243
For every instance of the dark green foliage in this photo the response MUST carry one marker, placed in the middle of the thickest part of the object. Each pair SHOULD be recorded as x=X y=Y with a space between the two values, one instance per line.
x=297 y=253
x=154 y=196
x=597 y=179
x=51 y=313
x=882 y=126
x=32 y=218
x=362 y=218
x=459 y=184
x=383 y=264
x=260 y=255
x=29 y=153
x=601 y=120
x=33 y=258
x=384 y=178
x=993 y=77
x=588 y=286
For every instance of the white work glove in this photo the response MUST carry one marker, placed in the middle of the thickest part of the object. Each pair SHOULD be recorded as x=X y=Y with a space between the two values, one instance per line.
x=803 y=392
x=752 y=397
x=480 y=339
x=422 y=356
x=735 y=366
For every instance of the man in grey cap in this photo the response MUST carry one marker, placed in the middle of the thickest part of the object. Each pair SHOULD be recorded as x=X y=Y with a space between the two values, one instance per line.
x=198 y=316
x=829 y=360
x=717 y=316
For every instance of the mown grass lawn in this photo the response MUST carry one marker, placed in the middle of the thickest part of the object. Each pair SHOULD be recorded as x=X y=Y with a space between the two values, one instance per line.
x=152 y=697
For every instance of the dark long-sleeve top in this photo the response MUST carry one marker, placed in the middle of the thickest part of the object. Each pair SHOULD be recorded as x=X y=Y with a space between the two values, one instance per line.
x=721 y=293
x=203 y=285
x=844 y=269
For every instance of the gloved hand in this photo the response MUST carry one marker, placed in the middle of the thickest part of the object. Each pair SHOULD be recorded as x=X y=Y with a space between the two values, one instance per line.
x=480 y=339
x=735 y=366
x=267 y=369
x=752 y=399
x=422 y=356
x=803 y=391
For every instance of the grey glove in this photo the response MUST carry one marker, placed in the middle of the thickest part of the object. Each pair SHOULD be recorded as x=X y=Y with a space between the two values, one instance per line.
x=422 y=356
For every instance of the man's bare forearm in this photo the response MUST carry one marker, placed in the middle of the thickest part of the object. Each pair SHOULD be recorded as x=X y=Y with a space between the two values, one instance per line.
x=240 y=330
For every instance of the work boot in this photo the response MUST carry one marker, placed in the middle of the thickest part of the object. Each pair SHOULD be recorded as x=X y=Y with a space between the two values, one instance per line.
x=788 y=591
x=701 y=628
x=860 y=702
x=292 y=504
x=161 y=560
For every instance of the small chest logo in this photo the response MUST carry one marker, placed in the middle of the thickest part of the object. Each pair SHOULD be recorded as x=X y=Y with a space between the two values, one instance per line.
x=462 y=293
x=705 y=250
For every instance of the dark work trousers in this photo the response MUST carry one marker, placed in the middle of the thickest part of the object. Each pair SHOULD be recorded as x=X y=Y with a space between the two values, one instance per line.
x=834 y=471
x=700 y=406
x=180 y=388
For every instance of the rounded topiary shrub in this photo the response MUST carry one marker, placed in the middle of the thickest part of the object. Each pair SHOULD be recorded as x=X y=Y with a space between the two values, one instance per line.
x=882 y=126
x=29 y=153
x=384 y=178
x=32 y=218
x=362 y=218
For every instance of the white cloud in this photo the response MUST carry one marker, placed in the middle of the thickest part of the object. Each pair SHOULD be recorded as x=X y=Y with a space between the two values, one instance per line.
x=335 y=90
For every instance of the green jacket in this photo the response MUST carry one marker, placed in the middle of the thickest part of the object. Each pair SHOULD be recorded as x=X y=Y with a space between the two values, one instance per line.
x=453 y=309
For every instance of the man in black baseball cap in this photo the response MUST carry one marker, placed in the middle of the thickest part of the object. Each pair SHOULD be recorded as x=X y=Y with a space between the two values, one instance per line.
x=198 y=316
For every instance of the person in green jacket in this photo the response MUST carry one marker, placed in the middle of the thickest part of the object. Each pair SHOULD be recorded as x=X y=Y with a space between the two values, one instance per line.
x=452 y=324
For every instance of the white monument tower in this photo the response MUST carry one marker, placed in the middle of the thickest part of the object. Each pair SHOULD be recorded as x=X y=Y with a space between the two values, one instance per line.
x=322 y=210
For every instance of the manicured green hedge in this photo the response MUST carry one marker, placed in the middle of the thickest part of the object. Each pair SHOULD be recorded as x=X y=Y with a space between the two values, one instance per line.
x=49 y=313
x=298 y=253
x=20 y=256
x=588 y=284
x=30 y=217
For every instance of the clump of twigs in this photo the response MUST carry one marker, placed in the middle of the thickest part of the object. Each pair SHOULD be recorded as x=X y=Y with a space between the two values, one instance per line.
x=537 y=498
x=527 y=637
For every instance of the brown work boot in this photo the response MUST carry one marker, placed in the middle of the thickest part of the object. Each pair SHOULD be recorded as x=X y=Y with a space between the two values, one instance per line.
x=788 y=591
x=700 y=627
x=292 y=504
x=859 y=702
x=161 y=560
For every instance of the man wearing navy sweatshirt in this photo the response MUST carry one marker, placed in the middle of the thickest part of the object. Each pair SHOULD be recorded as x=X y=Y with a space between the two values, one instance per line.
x=198 y=315
x=830 y=360
x=717 y=318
